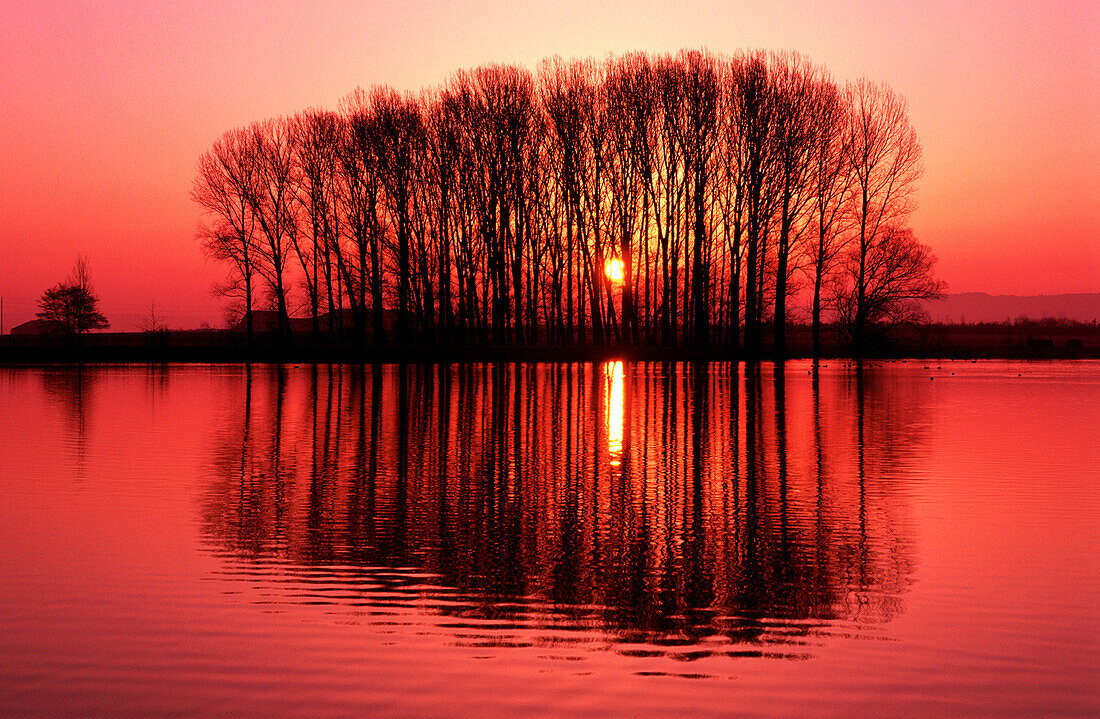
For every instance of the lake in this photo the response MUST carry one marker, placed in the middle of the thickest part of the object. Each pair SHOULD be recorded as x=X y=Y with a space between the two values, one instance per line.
x=617 y=539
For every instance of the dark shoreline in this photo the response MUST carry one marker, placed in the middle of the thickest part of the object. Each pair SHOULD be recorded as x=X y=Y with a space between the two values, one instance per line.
x=407 y=354
x=1019 y=341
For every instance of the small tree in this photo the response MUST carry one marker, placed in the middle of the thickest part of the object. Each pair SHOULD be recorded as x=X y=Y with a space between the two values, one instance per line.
x=72 y=305
x=154 y=322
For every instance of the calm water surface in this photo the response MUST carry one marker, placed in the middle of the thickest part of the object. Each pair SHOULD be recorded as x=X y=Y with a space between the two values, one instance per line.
x=526 y=540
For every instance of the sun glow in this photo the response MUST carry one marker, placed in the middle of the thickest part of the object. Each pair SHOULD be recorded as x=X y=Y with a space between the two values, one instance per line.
x=614 y=270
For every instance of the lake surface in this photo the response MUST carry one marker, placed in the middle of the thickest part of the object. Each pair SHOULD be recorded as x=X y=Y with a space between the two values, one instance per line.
x=905 y=539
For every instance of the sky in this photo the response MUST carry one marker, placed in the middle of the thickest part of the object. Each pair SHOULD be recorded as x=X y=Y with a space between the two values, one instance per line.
x=105 y=108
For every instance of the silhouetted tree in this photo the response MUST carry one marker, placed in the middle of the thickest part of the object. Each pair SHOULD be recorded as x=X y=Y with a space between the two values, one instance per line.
x=830 y=185
x=795 y=99
x=153 y=322
x=361 y=205
x=701 y=103
x=883 y=285
x=315 y=136
x=396 y=144
x=629 y=96
x=269 y=191
x=754 y=113
x=229 y=234
x=567 y=92
x=885 y=158
x=72 y=305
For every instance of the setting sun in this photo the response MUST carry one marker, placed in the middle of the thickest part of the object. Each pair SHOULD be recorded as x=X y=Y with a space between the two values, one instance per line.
x=614 y=270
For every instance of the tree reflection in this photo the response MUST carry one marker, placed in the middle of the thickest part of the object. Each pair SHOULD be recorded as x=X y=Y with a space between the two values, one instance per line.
x=657 y=504
x=73 y=389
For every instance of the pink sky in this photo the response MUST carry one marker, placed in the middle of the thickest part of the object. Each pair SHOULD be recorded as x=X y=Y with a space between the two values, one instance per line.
x=106 y=107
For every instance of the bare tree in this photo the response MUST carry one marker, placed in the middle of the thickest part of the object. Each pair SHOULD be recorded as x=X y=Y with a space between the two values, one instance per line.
x=671 y=194
x=731 y=197
x=442 y=143
x=362 y=209
x=884 y=285
x=229 y=232
x=885 y=158
x=315 y=137
x=396 y=142
x=754 y=113
x=472 y=210
x=269 y=192
x=630 y=121
x=795 y=84
x=153 y=323
x=567 y=92
x=830 y=192
x=700 y=136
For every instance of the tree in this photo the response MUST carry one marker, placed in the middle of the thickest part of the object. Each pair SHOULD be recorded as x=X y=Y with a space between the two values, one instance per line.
x=885 y=158
x=153 y=323
x=72 y=305
x=702 y=93
x=362 y=211
x=753 y=111
x=268 y=161
x=883 y=286
x=396 y=145
x=795 y=87
x=628 y=94
x=315 y=135
x=230 y=233
x=830 y=189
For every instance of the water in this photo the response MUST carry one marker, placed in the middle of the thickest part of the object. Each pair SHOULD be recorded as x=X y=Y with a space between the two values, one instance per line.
x=548 y=540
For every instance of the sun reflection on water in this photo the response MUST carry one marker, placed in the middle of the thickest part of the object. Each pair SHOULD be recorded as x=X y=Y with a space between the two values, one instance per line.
x=614 y=374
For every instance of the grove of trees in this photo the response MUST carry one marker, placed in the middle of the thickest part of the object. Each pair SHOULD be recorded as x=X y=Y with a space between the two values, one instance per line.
x=668 y=199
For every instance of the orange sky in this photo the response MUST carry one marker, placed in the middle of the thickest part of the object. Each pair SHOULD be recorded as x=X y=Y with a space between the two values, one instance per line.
x=107 y=106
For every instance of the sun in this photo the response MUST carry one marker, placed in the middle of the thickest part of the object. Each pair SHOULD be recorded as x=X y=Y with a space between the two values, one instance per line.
x=614 y=270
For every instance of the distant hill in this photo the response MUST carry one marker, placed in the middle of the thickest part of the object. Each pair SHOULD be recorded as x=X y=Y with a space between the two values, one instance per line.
x=980 y=307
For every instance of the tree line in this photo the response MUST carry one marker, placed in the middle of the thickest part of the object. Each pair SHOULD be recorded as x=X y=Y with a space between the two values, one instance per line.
x=640 y=200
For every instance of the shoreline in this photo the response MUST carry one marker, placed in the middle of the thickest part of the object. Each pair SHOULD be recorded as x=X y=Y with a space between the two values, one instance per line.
x=447 y=354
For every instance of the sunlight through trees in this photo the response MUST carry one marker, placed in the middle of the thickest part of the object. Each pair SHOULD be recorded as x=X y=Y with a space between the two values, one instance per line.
x=689 y=198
